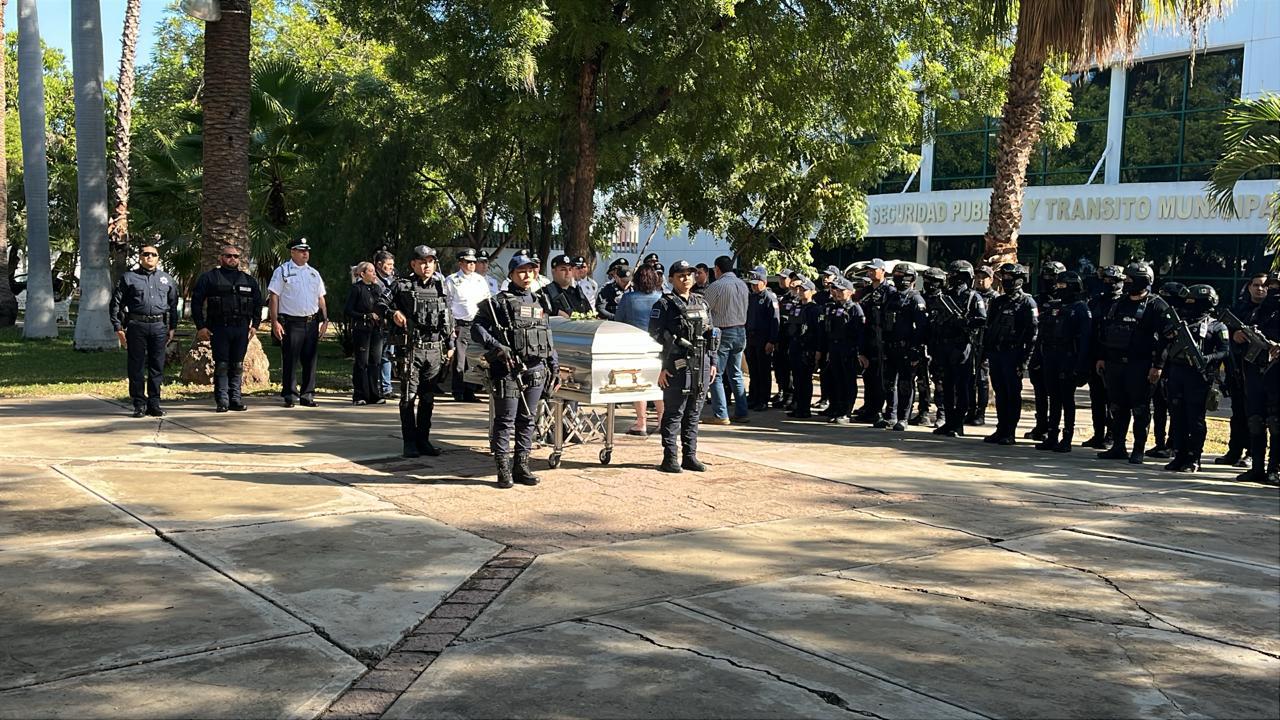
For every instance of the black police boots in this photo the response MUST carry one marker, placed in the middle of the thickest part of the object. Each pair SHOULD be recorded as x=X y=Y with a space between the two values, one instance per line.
x=690 y=462
x=426 y=448
x=1050 y=440
x=503 y=462
x=521 y=472
x=411 y=449
x=669 y=463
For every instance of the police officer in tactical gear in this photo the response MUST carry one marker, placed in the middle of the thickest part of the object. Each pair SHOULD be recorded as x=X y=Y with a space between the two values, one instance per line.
x=1134 y=334
x=1049 y=272
x=762 y=338
x=804 y=348
x=619 y=281
x=1012 y=323
x=958 y=332
x=983 y=278
x=929 y=371
x=904 y=328
x=1112 y=277
x=1190 y=377
x=144 y=313
x=681 y=323
x=1233 y=387
x=1065 y=331
x=420 y=309
x=874 y=342
x=512 y=327
x=1262 y=385
x=226 y=306
x=1175 y=294
x=839 y=340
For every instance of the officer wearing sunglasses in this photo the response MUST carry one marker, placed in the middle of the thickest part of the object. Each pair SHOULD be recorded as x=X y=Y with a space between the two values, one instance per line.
x=144 y=313
x=226 y=306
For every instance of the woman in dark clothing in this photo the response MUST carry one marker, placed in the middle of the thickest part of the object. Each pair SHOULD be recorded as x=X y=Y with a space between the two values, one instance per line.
x=364 y=310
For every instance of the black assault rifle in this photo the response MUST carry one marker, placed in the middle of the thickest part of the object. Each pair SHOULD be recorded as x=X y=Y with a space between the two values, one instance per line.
x=1258 y=350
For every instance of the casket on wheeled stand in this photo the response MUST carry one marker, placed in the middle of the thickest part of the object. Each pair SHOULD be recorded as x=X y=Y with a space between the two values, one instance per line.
x=602 y=364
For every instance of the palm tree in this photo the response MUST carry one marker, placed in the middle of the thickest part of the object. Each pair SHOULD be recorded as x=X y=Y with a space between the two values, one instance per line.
x=1252 y=139
x=8 y=303
x=40 y=322
x=118 y=226
x=224 y=210
x=1086 y=32
x=93 y=324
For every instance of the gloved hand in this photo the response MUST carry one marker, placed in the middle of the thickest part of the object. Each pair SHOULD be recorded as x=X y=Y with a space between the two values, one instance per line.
x=1021 y=371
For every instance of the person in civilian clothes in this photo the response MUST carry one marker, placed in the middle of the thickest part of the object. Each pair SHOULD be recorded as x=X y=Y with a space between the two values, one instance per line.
x=365 y=310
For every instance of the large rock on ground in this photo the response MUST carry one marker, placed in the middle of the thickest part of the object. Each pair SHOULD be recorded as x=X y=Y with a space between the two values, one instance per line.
x=197 y=365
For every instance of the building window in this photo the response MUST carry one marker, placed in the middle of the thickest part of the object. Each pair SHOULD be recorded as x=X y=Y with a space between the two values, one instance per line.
x=1223 y=261
x=626 y=238
x=1172 y=127
x=1071 y=165
x=965 y=159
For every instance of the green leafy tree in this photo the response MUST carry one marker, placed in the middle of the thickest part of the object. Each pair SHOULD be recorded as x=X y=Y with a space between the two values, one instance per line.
x=1251 y=134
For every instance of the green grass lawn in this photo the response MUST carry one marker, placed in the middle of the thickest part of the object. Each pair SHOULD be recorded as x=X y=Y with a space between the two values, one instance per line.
x=44 y=368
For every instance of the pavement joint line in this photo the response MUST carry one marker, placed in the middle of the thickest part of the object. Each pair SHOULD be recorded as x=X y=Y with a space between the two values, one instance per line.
x=1172 y=627
x=1171 y=548
x=149 y=661
x=1155 y=684
x=310 y=516
x=507 y=558
x=164 y=537
x=827 y=696
x=835 y=660
x=989 y=539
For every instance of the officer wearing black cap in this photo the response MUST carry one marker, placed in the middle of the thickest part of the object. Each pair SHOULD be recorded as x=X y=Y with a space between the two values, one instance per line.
x=619 y=281
x=651 y=259
x=586 y=284
x=762 y=338
x=1012 y=323
x=1133 y=341
x=788 y=305
x=512 y=327
x=1189 y=384
x=983 y=278
x=226 y=306
x=873 y=347
x=1065 y=331
x=823 y=298
x=1049 y=272
x=905 y=327
x=144 y=313
x=564 y=297
x=1112 y=277
x=839 y=339
x=804 y=348
x=420 y=308
x=482 y=269
x=681 y=323
x=959 y=334
x=299 y=318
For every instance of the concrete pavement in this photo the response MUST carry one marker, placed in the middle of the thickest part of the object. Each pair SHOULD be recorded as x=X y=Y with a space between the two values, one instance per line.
x=284 y=563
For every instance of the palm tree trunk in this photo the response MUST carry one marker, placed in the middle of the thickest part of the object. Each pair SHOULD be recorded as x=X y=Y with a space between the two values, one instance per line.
x=1020 y=124
x=93 y=324
x=224 y=211
x=8 y=303
x=39 y=322
x=118 y=226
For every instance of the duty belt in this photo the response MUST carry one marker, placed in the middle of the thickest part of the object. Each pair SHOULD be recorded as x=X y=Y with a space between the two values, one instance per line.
x=299 y=318
x=138 y=317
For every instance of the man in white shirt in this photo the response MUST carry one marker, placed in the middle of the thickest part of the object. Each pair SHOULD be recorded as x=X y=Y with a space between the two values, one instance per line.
x=299 y=318
x=586 y=283
x=482 y=269
x=465 y=289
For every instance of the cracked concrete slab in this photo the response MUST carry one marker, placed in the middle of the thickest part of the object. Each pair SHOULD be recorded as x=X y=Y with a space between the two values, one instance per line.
x=294 y=677
x=365 y=579
x=42 y=508
x=77 y=608
x=1218 y=599
x=577 y=583
x=1204 y=498
x=176 y=499
x=1230 y=536
x=991 y=517
x=1003 y=662
x=656 y=662
x=103 y=438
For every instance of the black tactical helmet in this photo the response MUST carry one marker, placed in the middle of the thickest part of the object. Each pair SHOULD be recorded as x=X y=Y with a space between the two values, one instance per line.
x=1074 y=283
x=1052 y=269
x=904 y=270
x=1112 y=272
x=1140 y=271
x=1203 y=297
x=1019 y=271
x=961 y=269
x=1172 y=292
x=935 y=276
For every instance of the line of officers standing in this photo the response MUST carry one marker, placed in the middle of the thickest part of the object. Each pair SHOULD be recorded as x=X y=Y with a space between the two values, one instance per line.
x=1133 y=347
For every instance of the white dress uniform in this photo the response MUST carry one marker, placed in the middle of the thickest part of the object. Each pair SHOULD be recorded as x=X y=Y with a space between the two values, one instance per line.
x=465 y=292
x=590 y=288
x=493 y=284
x=299 y=289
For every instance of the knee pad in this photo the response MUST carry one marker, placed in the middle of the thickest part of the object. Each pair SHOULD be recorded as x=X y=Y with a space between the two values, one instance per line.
x=236 y=368
x=407 y=399
x=1257 y=425
x=1141 y=414
x=220 y=369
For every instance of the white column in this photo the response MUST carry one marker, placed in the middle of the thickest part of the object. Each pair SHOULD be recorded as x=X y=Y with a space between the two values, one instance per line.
x=926 y=166
x=922 y=249
x=1115 y=125
x=1107 y=250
